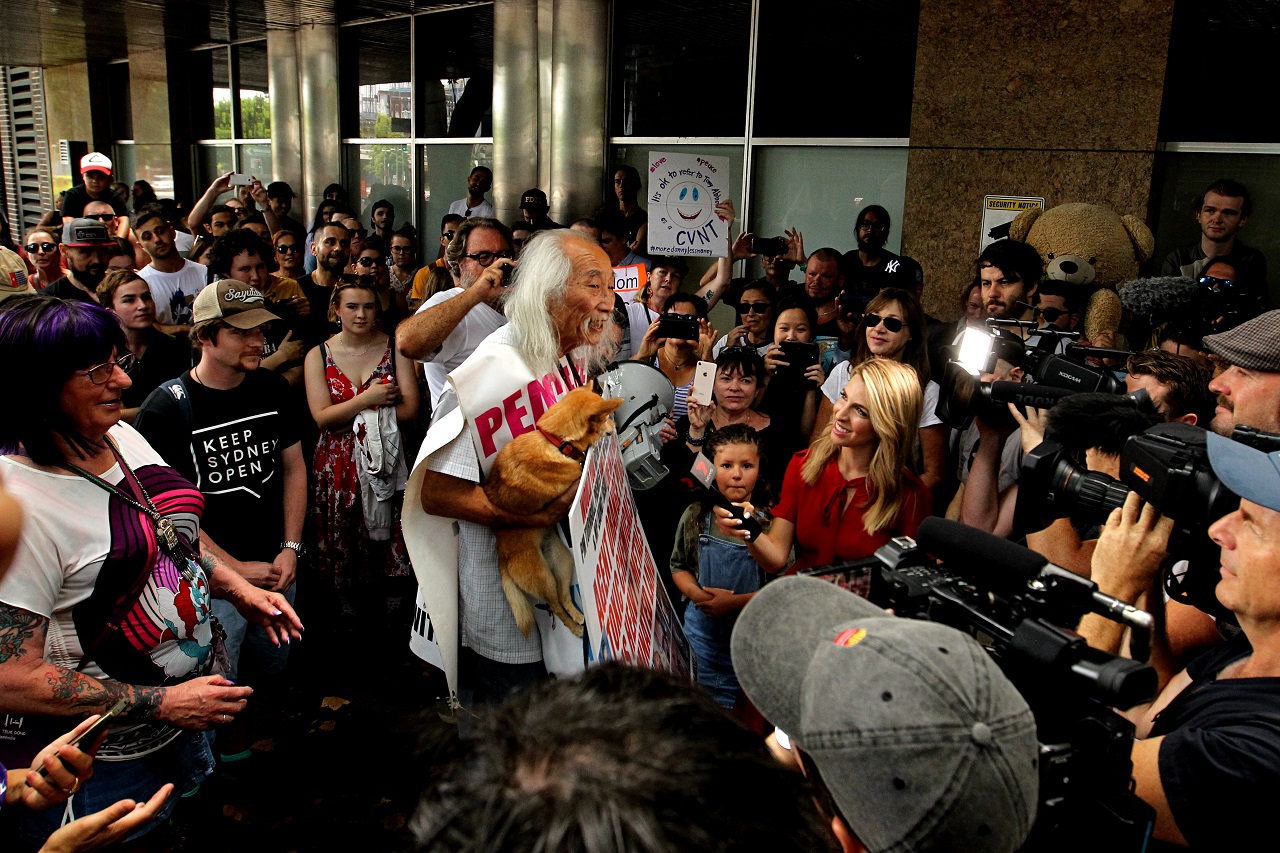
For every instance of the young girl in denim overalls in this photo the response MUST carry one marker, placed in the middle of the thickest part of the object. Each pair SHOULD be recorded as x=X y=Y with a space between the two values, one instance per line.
x=714 y=572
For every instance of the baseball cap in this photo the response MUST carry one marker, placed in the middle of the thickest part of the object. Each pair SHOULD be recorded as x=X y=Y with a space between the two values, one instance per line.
x=1253 y=345
x=533 y=198
x=86 y=232
x=234 y=302
x=1251 y=473
x=95 y=162
x=920 y=738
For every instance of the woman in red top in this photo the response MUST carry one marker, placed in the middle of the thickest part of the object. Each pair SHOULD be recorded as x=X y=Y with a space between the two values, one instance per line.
x=850 y=492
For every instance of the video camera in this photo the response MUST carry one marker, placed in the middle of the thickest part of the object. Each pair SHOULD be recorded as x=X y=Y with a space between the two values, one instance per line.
x=1168 y=466
x=1023 y=610
x=962 y=395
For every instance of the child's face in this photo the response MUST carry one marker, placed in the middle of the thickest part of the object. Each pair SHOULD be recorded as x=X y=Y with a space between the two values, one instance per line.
x=737 y=468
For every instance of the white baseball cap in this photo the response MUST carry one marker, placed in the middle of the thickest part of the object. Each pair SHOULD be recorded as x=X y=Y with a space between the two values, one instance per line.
x=95 y=162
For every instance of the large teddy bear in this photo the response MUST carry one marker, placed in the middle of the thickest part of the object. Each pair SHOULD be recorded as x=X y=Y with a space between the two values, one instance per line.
x=1090 y=246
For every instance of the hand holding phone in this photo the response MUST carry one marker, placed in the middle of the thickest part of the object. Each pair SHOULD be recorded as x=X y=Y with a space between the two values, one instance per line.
x=239 y=179
x=704 y=380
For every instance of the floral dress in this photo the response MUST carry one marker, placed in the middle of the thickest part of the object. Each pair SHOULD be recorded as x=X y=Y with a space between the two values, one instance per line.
x=344 y=552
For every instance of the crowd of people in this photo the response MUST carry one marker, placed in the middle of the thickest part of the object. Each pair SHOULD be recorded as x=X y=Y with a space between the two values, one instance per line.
x=235 y=422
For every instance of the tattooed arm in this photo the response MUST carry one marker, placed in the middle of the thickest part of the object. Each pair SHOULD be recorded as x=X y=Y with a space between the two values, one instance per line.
x=32 y=685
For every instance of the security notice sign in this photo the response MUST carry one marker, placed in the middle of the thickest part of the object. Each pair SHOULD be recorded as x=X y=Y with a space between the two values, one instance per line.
x=998 y=211
x=684 y=190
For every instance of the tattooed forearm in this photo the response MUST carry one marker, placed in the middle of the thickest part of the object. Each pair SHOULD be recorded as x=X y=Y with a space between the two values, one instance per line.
x=17 y=627
x=82 y=693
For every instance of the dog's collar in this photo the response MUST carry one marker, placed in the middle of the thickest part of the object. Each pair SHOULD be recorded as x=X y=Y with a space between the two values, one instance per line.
x=563 y=445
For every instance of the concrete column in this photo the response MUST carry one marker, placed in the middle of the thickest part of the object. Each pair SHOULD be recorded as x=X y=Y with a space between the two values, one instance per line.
x=155 y=160
x=580 y=53
x=516 y=140
x=286 y=112
x=320 y=130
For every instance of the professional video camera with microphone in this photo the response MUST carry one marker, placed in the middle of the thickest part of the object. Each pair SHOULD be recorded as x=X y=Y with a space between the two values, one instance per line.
x=1168 y=466
x=962 y=395
x=1023 y=610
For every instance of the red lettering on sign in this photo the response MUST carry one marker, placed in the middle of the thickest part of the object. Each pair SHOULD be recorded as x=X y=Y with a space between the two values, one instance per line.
x=516 y=415
x=544 y=393
x=487 y=424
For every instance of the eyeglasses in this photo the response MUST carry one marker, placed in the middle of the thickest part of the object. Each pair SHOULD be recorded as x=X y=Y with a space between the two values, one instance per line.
x=1209 y=281
x=891 y=324
x=100 y=374
x=755 y=307
x=41 y=247
x=486 y=258
x=873 y=226
x=366 y=262
x=1052 y=314
x=286 y=248
x=361 y=234
x=101 y=217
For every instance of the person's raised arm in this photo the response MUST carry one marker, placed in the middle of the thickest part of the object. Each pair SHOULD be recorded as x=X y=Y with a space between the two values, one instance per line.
x=260 y=198
x=422 y=334
x=200 y=210
x=983 y=505
x=770 y=549
x=713 y=288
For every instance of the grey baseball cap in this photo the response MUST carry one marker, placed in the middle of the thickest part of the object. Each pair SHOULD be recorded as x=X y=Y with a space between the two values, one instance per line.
x=922 y=741
x=1247 y=471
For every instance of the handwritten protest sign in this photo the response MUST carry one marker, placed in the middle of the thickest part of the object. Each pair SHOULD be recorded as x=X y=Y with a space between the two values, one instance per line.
x=628 y=281
x=684 y=190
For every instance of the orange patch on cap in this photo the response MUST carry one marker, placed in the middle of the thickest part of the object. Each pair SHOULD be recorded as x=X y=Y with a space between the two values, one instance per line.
x=850 y=637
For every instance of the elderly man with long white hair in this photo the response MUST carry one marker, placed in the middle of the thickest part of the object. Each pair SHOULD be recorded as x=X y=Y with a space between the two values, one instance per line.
x=560 y=327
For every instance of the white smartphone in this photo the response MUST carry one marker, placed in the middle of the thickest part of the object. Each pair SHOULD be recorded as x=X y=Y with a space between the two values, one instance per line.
x=240 y=180
x=704 y=380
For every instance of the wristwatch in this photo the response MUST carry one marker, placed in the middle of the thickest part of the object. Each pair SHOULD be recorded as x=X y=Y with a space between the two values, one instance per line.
x=296 y=547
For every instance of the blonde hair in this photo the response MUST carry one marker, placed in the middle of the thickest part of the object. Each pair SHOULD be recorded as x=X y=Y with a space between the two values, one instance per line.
x=894 y=401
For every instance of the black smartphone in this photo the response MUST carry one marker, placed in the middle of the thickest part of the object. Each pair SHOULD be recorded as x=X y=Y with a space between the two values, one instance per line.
x=768 y=246
x=682 y=327
x=799 y=356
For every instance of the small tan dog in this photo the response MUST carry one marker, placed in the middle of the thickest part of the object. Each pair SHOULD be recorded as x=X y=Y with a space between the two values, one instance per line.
x=530 y=472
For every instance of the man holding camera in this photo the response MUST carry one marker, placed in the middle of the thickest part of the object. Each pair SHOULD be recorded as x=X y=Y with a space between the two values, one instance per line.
x=1211 y=739
x=450 y=325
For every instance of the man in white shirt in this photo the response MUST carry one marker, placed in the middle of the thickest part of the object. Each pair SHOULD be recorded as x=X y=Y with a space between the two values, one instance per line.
x=174 y=280
x=478 y=183
x=451 y=324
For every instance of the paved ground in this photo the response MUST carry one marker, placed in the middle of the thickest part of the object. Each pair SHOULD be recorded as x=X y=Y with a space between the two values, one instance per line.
x=335 y=763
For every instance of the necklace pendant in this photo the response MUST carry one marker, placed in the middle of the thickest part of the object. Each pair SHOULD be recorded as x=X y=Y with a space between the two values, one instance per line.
x=167 y=533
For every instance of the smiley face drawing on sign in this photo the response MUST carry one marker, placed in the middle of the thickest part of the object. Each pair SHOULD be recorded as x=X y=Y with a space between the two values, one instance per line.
x=688 y=205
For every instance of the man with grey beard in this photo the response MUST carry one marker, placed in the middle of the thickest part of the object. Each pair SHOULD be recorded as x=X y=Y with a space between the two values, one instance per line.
x=450 y=325
x=559 y=316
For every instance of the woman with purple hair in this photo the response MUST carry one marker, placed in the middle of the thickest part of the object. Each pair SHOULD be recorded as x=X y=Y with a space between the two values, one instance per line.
x=108 y=599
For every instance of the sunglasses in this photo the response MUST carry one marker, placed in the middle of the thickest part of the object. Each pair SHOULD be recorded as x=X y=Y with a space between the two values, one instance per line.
x=361 y=234
x=286 y=248
x=1052 y=314
x=41 y=247
x=891 y=324
x=448 y=235
x=101 y=217
x=367 y=262
x=99 y=374
x=755 y=307
x=1211 y=282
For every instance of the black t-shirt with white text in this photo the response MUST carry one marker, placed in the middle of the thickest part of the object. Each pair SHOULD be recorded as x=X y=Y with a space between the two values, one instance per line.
x=232 y=452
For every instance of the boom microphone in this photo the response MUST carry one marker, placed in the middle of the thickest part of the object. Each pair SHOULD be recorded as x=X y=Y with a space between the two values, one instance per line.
x=1161 y=297
x=1011 y=566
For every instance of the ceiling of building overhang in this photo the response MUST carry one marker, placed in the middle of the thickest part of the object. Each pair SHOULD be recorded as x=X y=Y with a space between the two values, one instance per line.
x=60 y=32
